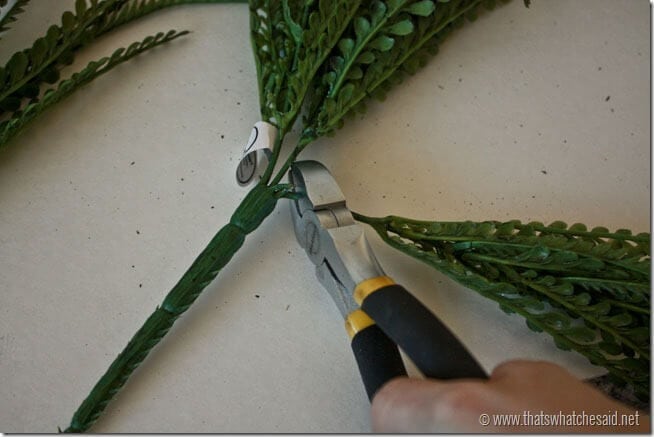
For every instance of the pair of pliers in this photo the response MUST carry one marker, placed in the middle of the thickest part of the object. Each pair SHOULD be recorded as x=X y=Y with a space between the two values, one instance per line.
x=379 y=314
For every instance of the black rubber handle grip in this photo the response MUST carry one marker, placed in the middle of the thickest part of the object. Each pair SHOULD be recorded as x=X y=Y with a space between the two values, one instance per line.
x=430 y=344
x=378 y=358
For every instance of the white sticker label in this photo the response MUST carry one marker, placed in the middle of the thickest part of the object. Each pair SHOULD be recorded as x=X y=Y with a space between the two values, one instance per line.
x=256 y=154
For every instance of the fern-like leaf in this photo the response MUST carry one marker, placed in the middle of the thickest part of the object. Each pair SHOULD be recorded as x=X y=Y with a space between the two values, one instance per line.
x=291 y=40
x=589 y=290
x=10 y=128
x=379 y=49
x=28 y=70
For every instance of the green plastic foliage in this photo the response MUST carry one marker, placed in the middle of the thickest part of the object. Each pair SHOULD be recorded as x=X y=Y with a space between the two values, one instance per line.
x=324 y=58
x=291 y=39
x=10 y=128
x=344 y=51
x=387 y=40
x=589 y=290
x=23 y=77
x=33 y=66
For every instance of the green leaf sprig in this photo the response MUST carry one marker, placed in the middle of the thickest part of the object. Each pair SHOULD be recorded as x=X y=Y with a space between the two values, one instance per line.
x=384 y=41
x=25 y=72
x=13 y=126
x=28 y=71
x=291 y=41
x=392 y=39
x=588 y=289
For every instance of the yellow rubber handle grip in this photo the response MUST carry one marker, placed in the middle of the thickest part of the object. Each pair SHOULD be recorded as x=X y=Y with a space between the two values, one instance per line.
x=369 y=286
x=356 y=322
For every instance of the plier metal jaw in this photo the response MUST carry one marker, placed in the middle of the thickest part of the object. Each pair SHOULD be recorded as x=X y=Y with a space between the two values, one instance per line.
x=334 y=241
x=380 y=315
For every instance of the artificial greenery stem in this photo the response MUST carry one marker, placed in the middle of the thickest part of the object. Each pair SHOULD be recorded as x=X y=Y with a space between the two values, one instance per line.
x=249 y=214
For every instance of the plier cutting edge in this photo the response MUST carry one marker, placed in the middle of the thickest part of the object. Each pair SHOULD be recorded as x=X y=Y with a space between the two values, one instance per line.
x=379 y=314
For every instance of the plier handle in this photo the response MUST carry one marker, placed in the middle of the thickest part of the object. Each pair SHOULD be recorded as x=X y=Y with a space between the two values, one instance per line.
x=379 y=314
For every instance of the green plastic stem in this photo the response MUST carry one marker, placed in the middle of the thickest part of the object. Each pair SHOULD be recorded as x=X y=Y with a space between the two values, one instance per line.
x=255 y=207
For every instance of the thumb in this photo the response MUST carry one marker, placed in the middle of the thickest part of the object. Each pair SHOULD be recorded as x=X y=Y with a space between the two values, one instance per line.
x=408 y=405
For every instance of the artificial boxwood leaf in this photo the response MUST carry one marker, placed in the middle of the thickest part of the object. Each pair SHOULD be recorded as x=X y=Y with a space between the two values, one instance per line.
x=422 y=8
x=17 y=66
x=361 y=26
x=346 y=92
x=401 y=28
x=39 y=51
x=80 y=8
x=382 y=43
x=68 y=21
x=346 y=45
x=366 y=58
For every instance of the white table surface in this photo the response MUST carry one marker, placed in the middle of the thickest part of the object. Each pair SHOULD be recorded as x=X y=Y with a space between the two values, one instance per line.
x=531 y=114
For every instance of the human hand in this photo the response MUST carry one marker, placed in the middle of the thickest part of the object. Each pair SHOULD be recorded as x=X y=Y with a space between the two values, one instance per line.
x=520 y=396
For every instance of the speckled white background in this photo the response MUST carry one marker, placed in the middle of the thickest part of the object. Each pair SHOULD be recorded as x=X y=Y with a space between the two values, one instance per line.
x=534 y=114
